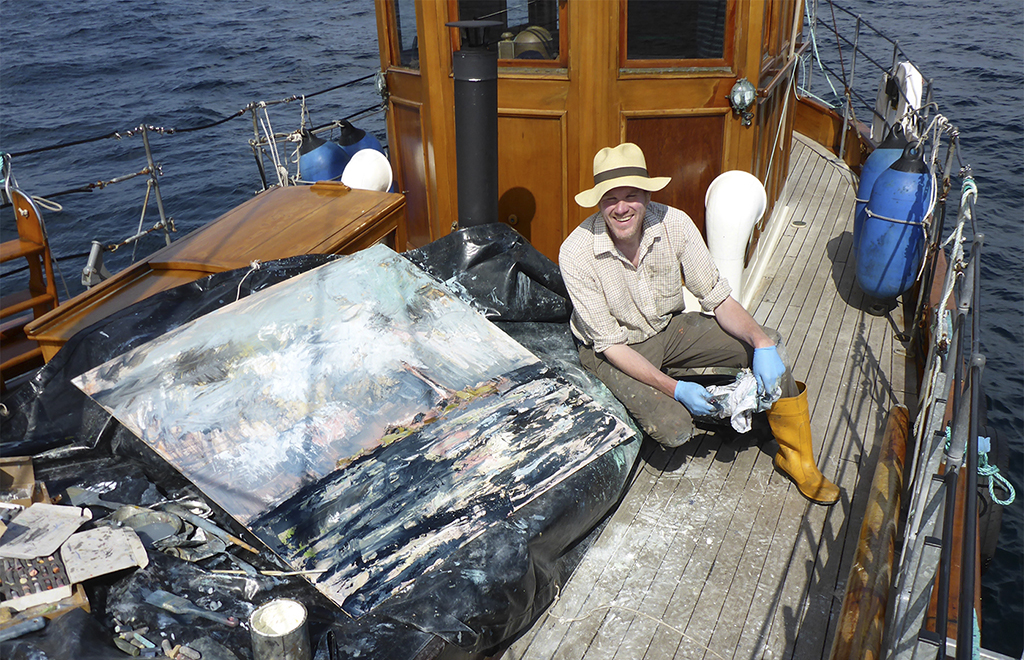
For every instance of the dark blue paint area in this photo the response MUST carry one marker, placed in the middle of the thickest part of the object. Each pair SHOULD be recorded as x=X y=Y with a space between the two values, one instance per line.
x=396 y=511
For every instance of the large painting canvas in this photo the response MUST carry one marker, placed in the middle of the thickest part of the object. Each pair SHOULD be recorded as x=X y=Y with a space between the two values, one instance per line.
x=358 y=418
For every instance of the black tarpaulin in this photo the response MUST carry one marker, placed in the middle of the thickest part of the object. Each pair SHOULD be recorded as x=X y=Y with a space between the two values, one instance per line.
x=481 y=595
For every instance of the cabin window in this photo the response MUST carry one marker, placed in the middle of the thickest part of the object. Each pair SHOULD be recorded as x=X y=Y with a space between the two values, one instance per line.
x=657 y=31
x=405 y=25
x=529 y=33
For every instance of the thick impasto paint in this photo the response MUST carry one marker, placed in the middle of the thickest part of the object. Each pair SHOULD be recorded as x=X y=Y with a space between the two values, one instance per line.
x=358 y=418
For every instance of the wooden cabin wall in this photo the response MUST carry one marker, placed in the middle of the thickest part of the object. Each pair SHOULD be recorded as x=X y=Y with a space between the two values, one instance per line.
x=777 y=103
x=552 y=119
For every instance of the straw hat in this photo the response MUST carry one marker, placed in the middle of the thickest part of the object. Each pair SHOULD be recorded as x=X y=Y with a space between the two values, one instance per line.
x=623 y=165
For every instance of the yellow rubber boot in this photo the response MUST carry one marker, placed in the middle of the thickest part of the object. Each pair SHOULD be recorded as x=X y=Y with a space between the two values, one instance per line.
x=791 y=426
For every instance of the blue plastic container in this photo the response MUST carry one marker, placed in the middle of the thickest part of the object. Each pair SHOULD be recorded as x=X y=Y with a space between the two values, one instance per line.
x=887 y=153
x=320 y=160
x=354 y=139
x=892 y=242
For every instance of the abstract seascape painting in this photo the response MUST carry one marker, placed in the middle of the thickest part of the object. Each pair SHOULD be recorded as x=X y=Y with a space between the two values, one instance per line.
x=358 y=418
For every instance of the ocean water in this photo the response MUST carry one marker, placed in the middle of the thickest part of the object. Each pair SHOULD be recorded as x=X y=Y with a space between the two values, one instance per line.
x=70 y=71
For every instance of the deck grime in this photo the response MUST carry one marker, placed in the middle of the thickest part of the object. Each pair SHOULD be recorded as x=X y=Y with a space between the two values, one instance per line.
x=713 y=554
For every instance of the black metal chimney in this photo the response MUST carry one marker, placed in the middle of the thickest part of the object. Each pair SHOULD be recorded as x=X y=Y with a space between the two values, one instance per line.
x=475 y=69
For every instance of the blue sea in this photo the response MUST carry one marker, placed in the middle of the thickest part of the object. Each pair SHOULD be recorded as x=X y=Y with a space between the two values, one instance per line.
x=75 y=70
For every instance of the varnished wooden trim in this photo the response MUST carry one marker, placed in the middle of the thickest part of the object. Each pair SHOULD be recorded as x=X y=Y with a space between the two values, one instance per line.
x=671 y=72
x=680 y=112
x=531 y=112
x=518 y=73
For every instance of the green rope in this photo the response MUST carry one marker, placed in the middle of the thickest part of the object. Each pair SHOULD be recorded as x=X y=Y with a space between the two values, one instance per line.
x=992 y=472
x=987 y=470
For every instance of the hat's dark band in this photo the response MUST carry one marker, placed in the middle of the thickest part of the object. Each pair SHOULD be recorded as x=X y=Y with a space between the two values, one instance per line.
x=620 y=172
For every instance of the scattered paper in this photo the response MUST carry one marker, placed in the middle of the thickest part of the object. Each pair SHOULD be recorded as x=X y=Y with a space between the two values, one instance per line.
x=40 y=530
x=102 y=550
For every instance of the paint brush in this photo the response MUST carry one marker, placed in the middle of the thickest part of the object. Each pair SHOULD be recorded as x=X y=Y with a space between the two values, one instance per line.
x=180 y=605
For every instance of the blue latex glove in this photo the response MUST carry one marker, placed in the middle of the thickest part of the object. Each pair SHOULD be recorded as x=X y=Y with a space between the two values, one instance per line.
x=696 y=399
x=768 y=369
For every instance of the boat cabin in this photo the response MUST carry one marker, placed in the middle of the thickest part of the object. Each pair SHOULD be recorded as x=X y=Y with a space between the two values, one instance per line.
x=574 y=77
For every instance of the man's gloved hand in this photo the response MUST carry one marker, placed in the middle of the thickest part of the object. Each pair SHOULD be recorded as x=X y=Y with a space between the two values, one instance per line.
x=696 y=399
x=768 y=369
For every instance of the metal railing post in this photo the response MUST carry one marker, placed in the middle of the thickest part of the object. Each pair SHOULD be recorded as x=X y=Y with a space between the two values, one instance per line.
x=156 y=185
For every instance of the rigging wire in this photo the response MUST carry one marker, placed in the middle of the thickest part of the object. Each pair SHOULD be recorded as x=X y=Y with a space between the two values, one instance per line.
x=47 y=203
x=170 y=131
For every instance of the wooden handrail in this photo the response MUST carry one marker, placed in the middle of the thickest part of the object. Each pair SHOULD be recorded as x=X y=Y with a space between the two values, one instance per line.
x=765 y=92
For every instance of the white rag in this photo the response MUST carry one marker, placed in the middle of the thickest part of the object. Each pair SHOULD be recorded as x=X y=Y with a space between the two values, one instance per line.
x=739 y=400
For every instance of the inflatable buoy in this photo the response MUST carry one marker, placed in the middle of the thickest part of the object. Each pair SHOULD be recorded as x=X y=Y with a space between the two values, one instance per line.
x=892 y=240
x=898 y=96
x=353 y=140
x=880 y=159
x=368 y=169
x=320 y=160
x=734 y=202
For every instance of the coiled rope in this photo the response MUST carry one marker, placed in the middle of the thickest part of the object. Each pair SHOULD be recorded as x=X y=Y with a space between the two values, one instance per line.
x=986 y=469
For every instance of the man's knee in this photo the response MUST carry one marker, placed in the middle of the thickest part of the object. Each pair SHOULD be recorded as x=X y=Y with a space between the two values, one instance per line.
x=664 y=419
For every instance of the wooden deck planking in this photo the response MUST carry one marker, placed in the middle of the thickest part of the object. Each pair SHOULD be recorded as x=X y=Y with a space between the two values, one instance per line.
x=697 y=599
x=794 y=247
x=814 y=533
x=667 y=557
x=802 y=312
x=713 y=554
x=817 y=233
x=618 y=534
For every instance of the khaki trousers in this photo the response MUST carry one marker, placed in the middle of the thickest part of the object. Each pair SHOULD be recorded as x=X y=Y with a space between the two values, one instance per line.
x=690 y=341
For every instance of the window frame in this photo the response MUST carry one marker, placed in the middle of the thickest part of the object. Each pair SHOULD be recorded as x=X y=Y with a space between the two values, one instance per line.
x=724 y=62
x=544 y=66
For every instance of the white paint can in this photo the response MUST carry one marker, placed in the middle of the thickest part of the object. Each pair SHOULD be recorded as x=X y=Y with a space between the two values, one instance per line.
x=279 y=631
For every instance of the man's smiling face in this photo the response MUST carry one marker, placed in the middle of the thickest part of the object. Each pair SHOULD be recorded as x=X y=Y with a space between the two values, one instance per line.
x=623 y=211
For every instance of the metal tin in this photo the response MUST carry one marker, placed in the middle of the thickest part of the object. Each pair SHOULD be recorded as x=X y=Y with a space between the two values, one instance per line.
x=279 y=631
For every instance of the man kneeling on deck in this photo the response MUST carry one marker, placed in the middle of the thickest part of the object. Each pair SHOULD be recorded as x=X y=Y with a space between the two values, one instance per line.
x=625 y=268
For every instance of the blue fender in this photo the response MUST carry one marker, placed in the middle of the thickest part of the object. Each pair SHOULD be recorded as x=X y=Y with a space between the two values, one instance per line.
x=320 y=160
x=887 y=153
x=892 y=242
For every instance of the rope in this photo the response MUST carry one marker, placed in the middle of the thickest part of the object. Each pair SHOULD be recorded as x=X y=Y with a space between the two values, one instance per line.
x=812 y=21
x=901 y=222
x=274 y=156
x=48 y=204
x=969 y=189
x=254 y=266
x=992 y=472
x=142 y=217
x=956 y=258
x=985 y=469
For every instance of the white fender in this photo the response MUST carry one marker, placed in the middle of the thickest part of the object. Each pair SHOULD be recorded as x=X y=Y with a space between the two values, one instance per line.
x=911 y=85
x=368 y=169
x=735 y=201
